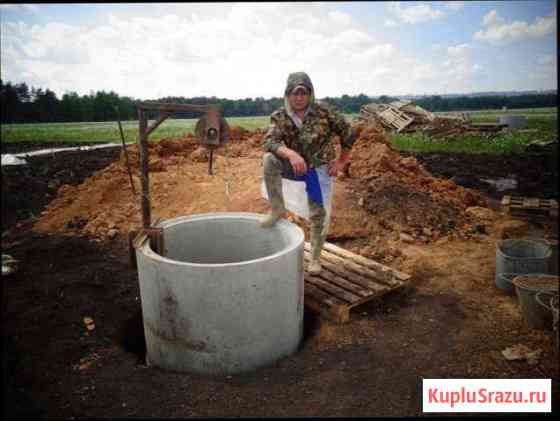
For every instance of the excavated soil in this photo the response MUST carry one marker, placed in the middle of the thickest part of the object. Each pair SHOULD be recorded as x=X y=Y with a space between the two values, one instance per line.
x=400 y=209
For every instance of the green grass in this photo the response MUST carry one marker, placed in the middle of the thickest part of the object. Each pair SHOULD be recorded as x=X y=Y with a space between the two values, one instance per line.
x=103 y=132
x=542 y=127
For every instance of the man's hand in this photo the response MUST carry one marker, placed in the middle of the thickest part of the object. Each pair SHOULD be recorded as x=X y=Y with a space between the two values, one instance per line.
x=336 y=167
x=296 y=161
x=298 y=164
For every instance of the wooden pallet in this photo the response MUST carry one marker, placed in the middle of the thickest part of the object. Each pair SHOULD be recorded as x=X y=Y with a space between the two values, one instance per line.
x=346 y=281
x=530 y=206
x=394 y=118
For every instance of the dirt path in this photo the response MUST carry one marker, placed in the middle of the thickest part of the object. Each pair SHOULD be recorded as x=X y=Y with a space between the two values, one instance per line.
x=452 y=322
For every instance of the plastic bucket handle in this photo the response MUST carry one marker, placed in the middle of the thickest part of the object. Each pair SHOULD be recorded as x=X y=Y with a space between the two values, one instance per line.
x=507 y=278
x=538 y=296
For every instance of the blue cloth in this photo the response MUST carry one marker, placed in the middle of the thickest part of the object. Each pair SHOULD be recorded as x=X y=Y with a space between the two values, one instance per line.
x=312 y=185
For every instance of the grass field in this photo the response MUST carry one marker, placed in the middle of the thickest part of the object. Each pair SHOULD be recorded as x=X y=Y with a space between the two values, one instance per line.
x=109 y=131
x=542 y=127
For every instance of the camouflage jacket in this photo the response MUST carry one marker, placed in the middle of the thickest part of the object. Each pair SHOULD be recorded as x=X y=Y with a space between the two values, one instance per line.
x=314 y=141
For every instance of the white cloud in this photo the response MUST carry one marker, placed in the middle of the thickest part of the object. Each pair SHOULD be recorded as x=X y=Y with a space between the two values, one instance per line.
x=232 y=51
x=454 y=5
x=500 y=32
x=545 y=70
x=340 y=18
x=416 y=13
x=547 y=59
x=460 y=50
x=246 y=51
x=20 y=7
x=458 y=69
x=491 y=18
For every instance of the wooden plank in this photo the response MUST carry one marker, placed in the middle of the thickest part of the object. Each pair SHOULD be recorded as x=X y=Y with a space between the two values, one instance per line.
x=529 y=202
x=521 y=201
x=332 y=289
x=131 y=250
x=140 y=239
x=163 y=116
x=395 y=118
x=372 y=264
x=162 y=106
x=337 y=314
x=530 y=207
x=144 y=173
x=343 y=283
x=383 y=277
x=380 y=277
x=353 y=277
x=321 y=296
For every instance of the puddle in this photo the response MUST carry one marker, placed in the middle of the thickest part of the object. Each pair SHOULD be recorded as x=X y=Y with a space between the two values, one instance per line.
x=502 y=184
x=12 y=160
x=19 y=158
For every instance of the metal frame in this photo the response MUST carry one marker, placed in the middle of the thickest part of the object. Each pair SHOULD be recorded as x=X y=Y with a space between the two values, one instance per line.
x=165 y=110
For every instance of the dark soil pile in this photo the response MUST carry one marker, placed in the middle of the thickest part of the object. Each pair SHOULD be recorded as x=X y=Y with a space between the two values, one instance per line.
x=27 y=189
x=400 y=190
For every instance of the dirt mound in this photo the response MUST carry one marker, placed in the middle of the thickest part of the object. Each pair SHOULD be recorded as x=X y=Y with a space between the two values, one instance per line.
x=160 y=154
x=243 y=143
x=104 y=206
x=394 y=192
x=237 y=133
x=400 y=191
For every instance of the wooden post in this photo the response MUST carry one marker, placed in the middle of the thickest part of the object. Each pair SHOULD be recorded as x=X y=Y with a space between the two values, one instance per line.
x=143 y=149
x=125 y=151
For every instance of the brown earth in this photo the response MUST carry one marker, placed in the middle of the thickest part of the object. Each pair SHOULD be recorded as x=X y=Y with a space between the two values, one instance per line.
x=452 y=321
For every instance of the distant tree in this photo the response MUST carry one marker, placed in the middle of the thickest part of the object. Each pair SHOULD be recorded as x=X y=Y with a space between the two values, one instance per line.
x=9 y=103
x=71 y=107
x=20 y=103
x=46 y=105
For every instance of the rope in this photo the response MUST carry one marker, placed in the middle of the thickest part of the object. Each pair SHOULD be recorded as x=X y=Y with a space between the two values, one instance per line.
x=226 y=175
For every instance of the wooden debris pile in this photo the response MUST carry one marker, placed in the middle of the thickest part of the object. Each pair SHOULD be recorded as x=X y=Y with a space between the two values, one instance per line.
x=407 y=117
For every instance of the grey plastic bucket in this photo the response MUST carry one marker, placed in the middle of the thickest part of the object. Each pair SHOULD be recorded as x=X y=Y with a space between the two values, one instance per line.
x=553 y=265
x=504 y=281
x=553 y=260
x=521 y=256
x=527 y=287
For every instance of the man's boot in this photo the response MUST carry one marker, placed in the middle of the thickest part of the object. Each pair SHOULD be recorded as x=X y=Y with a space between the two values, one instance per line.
x=317 y=241
x=274 y=188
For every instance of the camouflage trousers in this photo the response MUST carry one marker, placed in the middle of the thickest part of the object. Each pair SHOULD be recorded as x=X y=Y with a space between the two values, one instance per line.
x=274 y=169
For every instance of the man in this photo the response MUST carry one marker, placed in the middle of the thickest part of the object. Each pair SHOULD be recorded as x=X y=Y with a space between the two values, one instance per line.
x=299 y=139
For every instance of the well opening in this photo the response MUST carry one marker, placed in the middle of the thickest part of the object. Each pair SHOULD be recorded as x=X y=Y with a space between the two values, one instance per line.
x=224 y=240
x=225 y=297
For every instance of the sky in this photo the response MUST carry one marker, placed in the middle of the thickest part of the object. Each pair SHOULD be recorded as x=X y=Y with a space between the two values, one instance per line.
x=247 y=50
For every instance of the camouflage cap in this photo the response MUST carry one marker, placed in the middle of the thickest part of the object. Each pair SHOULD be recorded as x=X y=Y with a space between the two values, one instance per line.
x=300 y=88
x=296 y=79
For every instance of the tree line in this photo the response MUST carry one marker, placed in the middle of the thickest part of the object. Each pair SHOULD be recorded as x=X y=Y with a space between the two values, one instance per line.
x=21 y=104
